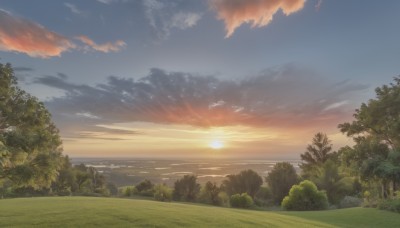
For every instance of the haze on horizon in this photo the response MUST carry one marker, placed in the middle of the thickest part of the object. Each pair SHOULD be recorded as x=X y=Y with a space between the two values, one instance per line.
x=208 y=78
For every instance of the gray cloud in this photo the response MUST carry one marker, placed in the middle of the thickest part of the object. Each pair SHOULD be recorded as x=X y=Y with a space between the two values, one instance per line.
x=163 y=16
x=280 y=97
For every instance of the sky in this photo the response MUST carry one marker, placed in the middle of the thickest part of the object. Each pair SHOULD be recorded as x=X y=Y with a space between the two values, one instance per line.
x=200 y=78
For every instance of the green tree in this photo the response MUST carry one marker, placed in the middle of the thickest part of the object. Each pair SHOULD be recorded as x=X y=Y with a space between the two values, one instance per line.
x=247 y=181
x=186 y=188
x=211 y=192
x=31 y=147
x=305 y=197
x=317 y=153
x=281 y=178
x=145 y=188
x=336 y=185
x=376 y=132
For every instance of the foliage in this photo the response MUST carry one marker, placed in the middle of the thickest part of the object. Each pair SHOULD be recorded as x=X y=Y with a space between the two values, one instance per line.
x=390 y=205
x=210 y=193
x=335 y=184
x=162 y=192
x=246 y=181
x=127 y=191
x=305 y=197
x=264 y=197
x=280 y=179
x=317 y=153
x=241 y=200
x=186 y=188
x=350 y=201
x=30 y=153
x=145 y=188
x=376 y=132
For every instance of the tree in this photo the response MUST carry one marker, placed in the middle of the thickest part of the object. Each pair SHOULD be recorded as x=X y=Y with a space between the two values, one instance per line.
x=377 y=125
x=145 y=188
x=247 y=181
x=31 y=147
x=316 y=154
x=210 y=192
x=281 y=178
x=305 y=197
x=186 y=188
x=66 y=180
x=336 y=185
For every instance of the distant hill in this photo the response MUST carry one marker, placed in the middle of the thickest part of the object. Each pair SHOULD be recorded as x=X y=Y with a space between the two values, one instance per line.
x=115 y=212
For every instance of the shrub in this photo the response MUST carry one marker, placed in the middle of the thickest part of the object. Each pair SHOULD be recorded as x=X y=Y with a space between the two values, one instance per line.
x=145 y=188
x=390 y=205
x=162 y=193
x=127 y=191
x=305 y=197
x=241 y=200
x=350 y=201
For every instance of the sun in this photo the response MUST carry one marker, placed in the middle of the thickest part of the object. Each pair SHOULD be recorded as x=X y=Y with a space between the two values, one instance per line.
x=216 y=144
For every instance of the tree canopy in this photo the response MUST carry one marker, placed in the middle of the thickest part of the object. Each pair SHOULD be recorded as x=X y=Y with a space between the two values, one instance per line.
x=376 y=133
x=30 y=144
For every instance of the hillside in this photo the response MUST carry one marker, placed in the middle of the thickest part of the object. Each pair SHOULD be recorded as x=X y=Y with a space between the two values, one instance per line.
x=106 y=212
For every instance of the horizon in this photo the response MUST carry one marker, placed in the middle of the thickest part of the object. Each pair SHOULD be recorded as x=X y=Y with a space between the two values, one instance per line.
x=200 y=79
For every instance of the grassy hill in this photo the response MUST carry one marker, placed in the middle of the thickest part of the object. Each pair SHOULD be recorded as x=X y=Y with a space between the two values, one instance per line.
x=106 y=212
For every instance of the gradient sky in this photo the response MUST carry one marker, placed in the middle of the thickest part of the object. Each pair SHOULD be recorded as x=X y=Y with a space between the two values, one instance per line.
x=153 y=78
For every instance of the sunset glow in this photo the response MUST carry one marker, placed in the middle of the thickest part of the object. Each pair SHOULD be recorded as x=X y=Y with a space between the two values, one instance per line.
x=216 y=144
x=156 y=78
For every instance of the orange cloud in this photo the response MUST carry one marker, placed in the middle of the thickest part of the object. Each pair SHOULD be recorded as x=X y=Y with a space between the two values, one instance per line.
x=257 y=12
x=21 y=35
x=25 y=36
x=107 y=47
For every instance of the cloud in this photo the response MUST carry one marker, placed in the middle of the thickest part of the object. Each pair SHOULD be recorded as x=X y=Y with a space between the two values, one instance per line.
x=258 y=13
x=24 y=36
x=72 y=8
x=318 y=5
x=107 y=47
x=281 y=97
x=163 y=16
x=107 y=1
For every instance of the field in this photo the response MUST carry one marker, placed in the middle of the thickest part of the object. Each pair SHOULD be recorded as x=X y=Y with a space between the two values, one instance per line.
x=107 y=212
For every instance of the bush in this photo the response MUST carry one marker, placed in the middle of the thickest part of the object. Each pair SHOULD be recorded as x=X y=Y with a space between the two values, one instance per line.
x=390 y=205
x=162 y=193
x=350 y=201
x=241 y=200
x=128 y=191
x=145 y=188
x=305 y=197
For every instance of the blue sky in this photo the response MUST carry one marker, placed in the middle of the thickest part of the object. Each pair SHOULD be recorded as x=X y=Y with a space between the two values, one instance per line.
x=309 y=45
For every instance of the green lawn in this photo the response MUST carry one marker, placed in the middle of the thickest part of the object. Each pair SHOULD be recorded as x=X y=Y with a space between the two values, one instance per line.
x=107 y=212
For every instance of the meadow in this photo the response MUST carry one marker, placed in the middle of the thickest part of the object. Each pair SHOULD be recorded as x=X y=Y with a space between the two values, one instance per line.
x=117 y=212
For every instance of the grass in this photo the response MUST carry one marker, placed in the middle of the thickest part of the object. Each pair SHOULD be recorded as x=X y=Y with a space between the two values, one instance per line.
x=114 y=212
